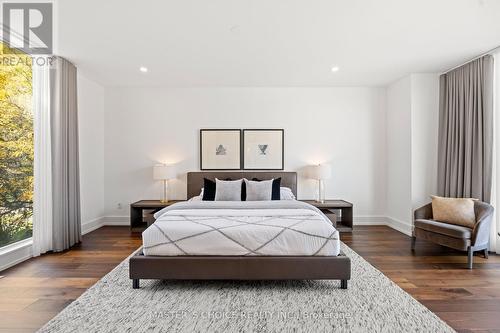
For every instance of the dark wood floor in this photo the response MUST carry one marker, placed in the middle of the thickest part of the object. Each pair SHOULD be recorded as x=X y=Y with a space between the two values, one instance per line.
x=469 y=300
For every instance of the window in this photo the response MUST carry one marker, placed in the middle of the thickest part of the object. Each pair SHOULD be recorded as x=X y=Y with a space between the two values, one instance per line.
x=16 y=146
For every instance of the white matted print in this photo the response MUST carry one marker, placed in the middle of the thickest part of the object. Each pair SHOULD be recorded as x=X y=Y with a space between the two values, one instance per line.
x=263 y=149
x=220 y=149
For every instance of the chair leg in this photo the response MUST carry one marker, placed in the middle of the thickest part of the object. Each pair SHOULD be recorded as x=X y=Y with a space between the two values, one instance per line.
x=413 y=240
x=485 y=253
x=470 y=255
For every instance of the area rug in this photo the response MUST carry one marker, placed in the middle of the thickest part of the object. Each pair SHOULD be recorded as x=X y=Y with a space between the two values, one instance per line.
x=373 y=303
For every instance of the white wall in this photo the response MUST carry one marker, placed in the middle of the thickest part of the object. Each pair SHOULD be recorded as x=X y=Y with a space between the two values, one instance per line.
x=91 y=140
x=424 y=132
x=399 y=151
x=381 y=142
x=412 y=135
x=341 y=126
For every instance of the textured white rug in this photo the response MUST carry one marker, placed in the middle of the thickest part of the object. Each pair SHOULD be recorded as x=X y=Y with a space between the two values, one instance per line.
x=372 y=303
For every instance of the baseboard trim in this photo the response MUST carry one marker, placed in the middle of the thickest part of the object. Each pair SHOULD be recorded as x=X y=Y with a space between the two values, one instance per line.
x=370 y=220
x=16 y=253
x=102 y=221
x=400 y=226
x=391 y=222
x=116 y=220
x=91 y=225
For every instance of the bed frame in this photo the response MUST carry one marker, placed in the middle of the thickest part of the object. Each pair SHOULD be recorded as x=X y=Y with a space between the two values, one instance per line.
x=239 y=267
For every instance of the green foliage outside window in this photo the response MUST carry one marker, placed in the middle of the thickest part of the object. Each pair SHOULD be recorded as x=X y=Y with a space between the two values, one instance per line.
x=16 y=147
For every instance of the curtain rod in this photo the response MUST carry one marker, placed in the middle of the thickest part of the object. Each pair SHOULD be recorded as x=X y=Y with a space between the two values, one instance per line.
x=477 y=57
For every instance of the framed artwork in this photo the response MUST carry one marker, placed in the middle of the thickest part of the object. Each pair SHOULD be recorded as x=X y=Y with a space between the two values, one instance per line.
x=263 y=149
x=220 y=149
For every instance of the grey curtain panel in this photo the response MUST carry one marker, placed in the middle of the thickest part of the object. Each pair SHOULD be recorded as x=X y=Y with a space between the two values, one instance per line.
x=66 y=229
x=466 y=131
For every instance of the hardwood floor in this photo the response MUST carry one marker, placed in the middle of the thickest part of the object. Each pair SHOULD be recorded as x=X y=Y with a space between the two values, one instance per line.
x=469 y=300
x=33 y=292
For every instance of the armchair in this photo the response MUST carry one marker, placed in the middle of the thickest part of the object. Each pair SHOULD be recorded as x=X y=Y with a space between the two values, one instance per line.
x=455 y=236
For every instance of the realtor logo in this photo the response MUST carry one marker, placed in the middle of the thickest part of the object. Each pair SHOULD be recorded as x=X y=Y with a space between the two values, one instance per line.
x=28 y=27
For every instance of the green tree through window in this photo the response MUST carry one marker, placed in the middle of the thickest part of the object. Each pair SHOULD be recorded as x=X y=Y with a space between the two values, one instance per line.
x=16 y=147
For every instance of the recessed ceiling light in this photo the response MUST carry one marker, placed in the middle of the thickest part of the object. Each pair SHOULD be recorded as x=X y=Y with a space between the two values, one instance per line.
x=143 y=69
x=335 y=69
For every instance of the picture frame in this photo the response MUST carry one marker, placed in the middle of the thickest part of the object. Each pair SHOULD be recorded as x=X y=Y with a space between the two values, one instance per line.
x=263 y=149
x=220 y=149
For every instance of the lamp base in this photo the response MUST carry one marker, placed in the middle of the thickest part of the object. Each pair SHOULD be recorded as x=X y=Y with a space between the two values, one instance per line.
x=321 y=191
x=164 y=200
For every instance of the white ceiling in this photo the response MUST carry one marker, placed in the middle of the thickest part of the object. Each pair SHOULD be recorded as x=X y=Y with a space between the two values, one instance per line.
x=271 y=42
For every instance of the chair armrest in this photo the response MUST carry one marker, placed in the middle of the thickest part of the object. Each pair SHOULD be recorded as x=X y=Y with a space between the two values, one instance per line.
x=423 y=213
x=481 y=231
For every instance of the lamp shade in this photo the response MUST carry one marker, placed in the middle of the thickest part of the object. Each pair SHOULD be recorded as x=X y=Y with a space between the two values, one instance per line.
x=321 y=171
x=162 y=172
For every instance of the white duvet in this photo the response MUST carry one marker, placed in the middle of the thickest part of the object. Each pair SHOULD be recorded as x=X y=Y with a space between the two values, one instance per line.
x=270 y=228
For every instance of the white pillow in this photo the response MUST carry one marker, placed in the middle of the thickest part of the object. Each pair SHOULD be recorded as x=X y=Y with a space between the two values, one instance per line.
x=259 y=191
x=228 y=190
x=286 y=194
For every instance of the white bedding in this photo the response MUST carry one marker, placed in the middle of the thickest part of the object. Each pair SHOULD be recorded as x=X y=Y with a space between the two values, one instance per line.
x=268 y=228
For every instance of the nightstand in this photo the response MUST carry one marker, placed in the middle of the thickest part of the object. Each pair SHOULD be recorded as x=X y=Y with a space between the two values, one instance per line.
x=338 y=211
x=139 y=220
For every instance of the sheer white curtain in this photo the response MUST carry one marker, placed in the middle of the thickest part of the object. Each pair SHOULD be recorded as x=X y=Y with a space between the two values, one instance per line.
x=42 y=198
x=495 y=198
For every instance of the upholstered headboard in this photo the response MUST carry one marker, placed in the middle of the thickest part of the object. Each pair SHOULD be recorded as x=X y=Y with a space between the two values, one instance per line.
x=195 y=179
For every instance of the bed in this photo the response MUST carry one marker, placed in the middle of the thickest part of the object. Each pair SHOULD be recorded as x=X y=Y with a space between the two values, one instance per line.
x=247 y=240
